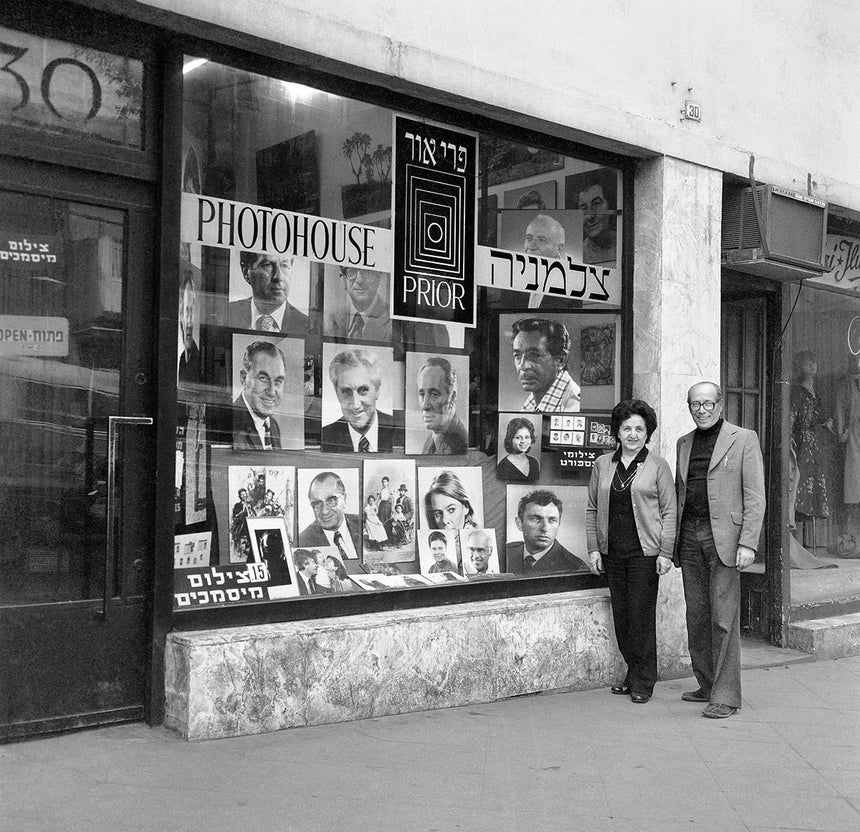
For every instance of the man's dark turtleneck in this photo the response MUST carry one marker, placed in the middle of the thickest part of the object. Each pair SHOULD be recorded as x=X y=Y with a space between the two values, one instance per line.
x=696 y=503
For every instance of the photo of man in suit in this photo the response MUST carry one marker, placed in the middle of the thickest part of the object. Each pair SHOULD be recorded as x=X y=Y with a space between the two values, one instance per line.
x=356 y=378
x=307 y=568
x=189 y=355
x=539 y=519
x=364 y=316
x=719 y=479
x=332 y=526
x=437 y=401
x=262 y=377
x=268 y=309
x=541 y=352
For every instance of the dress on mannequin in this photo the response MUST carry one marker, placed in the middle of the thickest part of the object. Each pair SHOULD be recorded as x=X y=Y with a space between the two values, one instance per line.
x=811 y=498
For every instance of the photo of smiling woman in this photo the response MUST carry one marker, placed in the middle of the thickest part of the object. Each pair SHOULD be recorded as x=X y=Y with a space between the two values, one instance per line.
x=520 y=450
x=630 y=527
x=451 y=498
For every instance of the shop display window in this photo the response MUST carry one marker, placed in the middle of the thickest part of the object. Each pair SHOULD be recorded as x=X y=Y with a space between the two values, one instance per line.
x=399 y=343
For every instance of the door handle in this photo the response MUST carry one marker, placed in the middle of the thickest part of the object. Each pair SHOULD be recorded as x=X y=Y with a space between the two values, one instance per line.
x=114 y=423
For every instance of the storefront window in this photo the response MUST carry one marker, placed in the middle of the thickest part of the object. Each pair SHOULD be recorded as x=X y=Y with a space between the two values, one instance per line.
x=399 y=343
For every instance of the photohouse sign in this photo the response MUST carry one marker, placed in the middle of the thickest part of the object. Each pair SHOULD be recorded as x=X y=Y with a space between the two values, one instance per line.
x=434 y=223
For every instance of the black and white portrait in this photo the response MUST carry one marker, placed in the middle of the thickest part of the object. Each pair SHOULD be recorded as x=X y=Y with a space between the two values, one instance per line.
x=595 y=194
x=438 y=551
x=388 y=513
x=356 y=304
x=270 y=545
x=479 y=552
x=437 y=404
x=450 y=498
x=518 y=454
x=328 y=510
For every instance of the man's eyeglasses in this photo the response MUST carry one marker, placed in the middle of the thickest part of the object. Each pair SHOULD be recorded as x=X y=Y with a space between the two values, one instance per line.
x=708 y=407
x=330 y=502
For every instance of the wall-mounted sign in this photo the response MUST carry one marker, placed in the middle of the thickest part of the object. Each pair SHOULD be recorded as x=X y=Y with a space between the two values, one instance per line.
x=36 y=336
x=842 y=260
x=434 y=223
x=58 y=86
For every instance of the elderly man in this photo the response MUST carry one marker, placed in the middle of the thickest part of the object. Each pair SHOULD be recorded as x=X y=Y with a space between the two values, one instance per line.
x=357 y=379
x=262 y=377
x=189 y=357
x=365 y=316
x=438 y=545
x=545 y=238
x=332 y=526
x=437 y=397
x=541 y=350
x=539 y=519
x=479 y=549
x=268 y=309
x=719 y=478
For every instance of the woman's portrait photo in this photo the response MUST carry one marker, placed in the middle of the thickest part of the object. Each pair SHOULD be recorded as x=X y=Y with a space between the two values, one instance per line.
x=438 y=551
x=519 y=447
x=451 y=498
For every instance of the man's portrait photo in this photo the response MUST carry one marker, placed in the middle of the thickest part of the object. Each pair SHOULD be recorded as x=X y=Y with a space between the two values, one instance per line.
x=269 y=293
x=438 y=551
x=545 y=529
x=538 y=197
x=479 y=552
x=437 y=404
x=534 y=362
x=595 y=194
x=328 y=510
x=357 y=399
x=388 y=513
x=189 y=326
x=356 y=304
x=270 y=545
x=310 y=572
x=268 y=398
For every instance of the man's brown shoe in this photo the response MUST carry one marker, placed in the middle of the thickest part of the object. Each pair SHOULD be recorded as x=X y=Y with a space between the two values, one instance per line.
x=695 y=696
x=717 y=711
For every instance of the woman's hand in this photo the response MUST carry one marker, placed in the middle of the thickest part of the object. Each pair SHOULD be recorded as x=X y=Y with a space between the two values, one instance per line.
x=663 y=565
x=595 y=562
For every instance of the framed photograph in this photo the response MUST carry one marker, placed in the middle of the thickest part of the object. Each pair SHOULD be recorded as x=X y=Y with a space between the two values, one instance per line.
x=356 y=304
x=597 y=355
x=545 y=530
x=268 y=410
x=260 y=281
x=438 y=551
x=328 y=510
x=271 y=545
x=451 y=498
x=188 y=371
x=539 y=197
x=479 y=552
x=595 y=194
x=540 y=362
x=518 y=456
x=388 y=512
x=357 y=400
x=437 y=404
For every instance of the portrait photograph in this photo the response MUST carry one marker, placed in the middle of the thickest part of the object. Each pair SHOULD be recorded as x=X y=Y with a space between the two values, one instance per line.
x=328 y=502
x=438 y=551
x=550 y=233
x=321 y=571
x=540 y=363
x=518 y=456
x=594 y=193
x=479 y=552
x=268 y=293
x=271 y=546
x=188 y=370
x=267 y=393
x=450 y=498
x=196 y=459
x=547 y=524
x=357 y=398
x=437 y=404
x=258 y=491
x=356 y=304
x=388 y=513
x=539 y=197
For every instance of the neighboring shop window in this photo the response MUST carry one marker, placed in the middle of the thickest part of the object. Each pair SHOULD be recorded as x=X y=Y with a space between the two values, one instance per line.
x=399 y=344
x=824 y=498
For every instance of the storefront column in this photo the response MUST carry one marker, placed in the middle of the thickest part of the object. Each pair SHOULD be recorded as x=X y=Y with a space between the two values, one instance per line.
x=676 y=323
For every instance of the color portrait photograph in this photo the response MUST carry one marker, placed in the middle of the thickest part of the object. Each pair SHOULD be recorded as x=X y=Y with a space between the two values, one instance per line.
x=450 y=498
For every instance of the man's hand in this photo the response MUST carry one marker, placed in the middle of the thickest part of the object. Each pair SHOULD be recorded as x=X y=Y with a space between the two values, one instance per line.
x=663 y=565
x=595 y=562
x=746 y=556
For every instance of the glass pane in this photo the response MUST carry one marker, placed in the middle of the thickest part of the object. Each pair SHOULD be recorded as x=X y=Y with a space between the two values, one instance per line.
x=752 y=353
x=61 y=279
x=732 y=344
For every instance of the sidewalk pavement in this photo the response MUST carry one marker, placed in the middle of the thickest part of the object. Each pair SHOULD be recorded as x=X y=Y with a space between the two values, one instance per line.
x=587 y=761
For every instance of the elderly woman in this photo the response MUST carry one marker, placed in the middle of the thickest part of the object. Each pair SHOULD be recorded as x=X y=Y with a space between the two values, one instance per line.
x=630 y=527
x=518 y=465
x=447 y=504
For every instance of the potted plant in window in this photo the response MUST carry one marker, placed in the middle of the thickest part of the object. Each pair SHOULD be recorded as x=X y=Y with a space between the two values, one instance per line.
x=371 y=190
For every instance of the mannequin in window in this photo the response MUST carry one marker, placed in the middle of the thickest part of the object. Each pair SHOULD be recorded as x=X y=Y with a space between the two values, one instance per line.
x=805 y=414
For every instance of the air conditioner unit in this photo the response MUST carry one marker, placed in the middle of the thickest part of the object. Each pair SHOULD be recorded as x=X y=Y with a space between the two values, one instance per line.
x=790 y=244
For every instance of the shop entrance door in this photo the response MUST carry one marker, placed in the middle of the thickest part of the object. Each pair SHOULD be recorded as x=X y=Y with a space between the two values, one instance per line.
x=76 y=483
